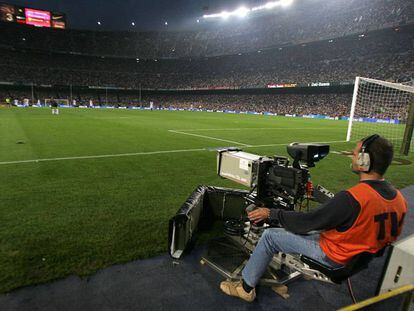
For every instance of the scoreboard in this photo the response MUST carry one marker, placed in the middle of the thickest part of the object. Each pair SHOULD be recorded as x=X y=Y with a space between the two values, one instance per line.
x=39 y=18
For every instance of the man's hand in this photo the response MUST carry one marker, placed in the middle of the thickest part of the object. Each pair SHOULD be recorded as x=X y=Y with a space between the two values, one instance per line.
x=262 y=213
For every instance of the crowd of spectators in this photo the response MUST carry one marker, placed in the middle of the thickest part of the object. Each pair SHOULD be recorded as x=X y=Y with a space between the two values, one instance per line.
x=334 y=105
x=385 y=55
x=304 y=21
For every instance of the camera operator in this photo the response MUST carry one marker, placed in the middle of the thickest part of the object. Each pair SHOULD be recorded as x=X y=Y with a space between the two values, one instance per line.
x=364 y=218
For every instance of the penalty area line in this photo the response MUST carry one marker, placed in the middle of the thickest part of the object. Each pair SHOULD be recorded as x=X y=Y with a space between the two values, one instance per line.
x=312 y=142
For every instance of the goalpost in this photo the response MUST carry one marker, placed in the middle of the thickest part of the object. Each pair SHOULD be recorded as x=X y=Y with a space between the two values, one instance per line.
x=384 y=108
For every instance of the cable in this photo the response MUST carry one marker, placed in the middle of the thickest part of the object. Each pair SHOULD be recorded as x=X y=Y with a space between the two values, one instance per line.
x=351 y=292
x=253 y=188
x=223 y=205
x=247 y=237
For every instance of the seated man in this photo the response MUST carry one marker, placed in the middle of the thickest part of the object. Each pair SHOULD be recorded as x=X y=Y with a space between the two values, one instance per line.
x=364 y=218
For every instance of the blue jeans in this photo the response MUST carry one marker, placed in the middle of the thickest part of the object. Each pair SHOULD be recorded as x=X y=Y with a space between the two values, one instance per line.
x=276 y=240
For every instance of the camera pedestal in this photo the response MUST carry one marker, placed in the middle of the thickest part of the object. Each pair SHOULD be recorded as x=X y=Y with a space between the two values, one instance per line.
x=228 y=256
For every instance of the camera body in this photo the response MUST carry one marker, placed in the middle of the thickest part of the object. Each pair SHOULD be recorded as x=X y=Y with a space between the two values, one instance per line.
x=272 y=181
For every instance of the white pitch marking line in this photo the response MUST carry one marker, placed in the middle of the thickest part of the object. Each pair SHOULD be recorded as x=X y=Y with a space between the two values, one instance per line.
x=103 y=156
x=209 y=137
x=253 y=128
x=314 y=142
x=142 y=153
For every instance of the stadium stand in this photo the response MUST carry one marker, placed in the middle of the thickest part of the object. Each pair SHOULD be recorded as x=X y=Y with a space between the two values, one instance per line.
x=385 y=54
x=305 y=46
x=306 y=21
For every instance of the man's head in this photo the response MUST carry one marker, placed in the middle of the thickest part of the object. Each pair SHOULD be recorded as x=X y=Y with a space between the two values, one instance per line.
x=380 y=152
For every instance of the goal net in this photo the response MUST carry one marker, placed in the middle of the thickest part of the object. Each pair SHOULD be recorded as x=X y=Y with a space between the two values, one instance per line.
x=64 y=102
x=384 y=108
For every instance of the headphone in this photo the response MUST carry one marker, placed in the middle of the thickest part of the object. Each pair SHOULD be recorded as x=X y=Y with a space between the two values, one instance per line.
x=364 y=159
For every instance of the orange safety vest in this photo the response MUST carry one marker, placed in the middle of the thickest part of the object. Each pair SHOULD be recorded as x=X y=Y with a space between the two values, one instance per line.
x=378 y=224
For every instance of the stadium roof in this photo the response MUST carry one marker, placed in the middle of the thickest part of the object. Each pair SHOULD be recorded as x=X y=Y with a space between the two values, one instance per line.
x=139 y=14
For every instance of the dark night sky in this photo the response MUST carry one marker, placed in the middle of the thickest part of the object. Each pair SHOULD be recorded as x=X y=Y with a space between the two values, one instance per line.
x=147 y=15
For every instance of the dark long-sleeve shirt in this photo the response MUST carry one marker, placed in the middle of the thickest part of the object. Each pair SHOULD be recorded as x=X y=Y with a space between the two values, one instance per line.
x=340 y=212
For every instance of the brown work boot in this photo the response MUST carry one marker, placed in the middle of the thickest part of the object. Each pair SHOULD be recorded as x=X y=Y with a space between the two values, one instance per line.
x=236 y=289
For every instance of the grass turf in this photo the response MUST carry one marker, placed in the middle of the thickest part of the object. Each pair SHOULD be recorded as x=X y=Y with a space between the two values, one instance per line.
x=78 y=215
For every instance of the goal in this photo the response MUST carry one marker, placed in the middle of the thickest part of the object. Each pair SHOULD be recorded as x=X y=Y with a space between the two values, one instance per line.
x=384 y=108
x=60 y=101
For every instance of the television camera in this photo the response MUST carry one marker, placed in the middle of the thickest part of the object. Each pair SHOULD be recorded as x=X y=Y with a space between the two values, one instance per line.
x=273 y=182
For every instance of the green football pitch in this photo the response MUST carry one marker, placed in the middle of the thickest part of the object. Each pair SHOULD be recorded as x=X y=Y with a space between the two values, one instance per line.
x=91 y=188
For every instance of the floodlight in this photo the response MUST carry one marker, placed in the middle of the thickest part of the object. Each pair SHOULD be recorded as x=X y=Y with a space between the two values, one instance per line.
x=241 y=12
x=244 y=11
x=271 y=5
x=225 y=14
x=212 y=15
x=285 y=3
